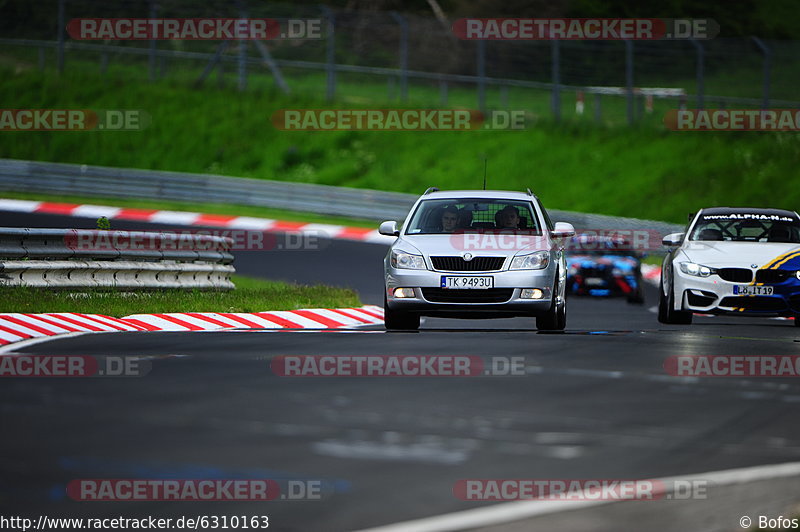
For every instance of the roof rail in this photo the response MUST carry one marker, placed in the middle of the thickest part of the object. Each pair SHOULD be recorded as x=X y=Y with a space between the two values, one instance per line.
x=529 y=191
x=431 y=189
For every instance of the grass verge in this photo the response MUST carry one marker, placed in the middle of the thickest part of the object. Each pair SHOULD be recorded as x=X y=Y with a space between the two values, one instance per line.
x=251 y=295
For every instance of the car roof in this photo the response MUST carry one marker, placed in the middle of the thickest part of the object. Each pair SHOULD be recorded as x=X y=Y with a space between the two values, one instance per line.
x=750 y=210
x=487 y=194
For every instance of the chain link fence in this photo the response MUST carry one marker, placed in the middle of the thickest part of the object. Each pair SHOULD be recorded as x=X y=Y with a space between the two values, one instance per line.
x=375 y=57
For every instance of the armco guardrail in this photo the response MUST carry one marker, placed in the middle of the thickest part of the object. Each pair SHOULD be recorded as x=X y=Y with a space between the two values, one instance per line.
x=32 y=176
x=75 y=258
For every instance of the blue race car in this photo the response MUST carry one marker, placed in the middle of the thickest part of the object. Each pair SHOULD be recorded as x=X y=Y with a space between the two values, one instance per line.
x=604 y=266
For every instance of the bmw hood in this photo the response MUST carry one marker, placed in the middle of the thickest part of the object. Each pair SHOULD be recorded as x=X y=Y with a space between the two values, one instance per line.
x=743 y=254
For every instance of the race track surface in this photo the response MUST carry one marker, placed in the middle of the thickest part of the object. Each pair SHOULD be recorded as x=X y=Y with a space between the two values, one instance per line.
x=595 y=402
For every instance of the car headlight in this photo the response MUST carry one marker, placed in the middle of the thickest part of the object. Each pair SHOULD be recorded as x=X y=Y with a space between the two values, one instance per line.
x=617 y=272
x=401 y=259
x=698 y=270
x=533 y=261
x=797 y=274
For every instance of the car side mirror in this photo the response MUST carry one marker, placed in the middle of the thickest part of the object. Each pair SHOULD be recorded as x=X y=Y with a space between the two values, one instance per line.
x=673 y=239
x=563 y=230
x=389 y=228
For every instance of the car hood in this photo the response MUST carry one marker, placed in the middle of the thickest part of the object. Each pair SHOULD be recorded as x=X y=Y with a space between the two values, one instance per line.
x=486 y=244
x=740 y=254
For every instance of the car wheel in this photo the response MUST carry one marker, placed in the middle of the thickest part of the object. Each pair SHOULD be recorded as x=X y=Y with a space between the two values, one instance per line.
x=395 y=320
x=666 y=312
x=556 y=317
x=797 y=321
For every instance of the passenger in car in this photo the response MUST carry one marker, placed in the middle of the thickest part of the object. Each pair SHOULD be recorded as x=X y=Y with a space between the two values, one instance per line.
x=508 y=218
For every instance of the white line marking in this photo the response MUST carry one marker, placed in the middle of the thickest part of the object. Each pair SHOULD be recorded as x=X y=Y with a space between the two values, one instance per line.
x=518 y=510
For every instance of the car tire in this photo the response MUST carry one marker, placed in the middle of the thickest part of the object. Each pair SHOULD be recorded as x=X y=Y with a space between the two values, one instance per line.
x=666 y=312
x=395 y=320
x=556 y=317
x=797 y=321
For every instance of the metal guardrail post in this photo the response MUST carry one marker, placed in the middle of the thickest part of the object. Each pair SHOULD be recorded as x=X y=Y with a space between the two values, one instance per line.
x=629 y=80
x=555 y=57
x=403 y=54
x=701 y=53
x=62 y=22
x=330 y=53
x=767 y=69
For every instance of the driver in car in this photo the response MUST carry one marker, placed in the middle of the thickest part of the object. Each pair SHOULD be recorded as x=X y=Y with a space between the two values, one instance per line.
x=449 y=219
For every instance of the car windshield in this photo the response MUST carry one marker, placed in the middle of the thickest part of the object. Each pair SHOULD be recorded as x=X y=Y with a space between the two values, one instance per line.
x=747 y=227
x=473 y=215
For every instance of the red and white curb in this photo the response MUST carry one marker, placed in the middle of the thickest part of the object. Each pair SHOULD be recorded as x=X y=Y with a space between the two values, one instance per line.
x=651 y=273
x=185 y=218
x=16 y=327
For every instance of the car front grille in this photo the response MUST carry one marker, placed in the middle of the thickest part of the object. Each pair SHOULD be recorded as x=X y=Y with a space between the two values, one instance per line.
x=736 y=275
x=490 y=295
x=765 y=303
x=772 y=276
x=458 y=264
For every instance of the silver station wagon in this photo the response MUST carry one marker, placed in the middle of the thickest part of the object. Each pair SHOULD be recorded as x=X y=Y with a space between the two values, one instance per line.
x=476 y=254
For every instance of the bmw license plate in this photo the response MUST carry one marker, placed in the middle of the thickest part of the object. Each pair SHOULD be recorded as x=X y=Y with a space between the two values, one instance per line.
x=449 y=281
x=748 y=290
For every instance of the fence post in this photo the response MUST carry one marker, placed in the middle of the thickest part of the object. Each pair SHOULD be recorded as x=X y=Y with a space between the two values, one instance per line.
x=61 y=27
x=555 y=100
x=41 y=58
x=598 y=111
x=767 y=68
x=504 y=96
x=401 y=21
x=330 y=53
x=443 y=91
x=152 y=54
x=151 y=60
x=701 y=52
x=242 y=58
x=482 y=75
x=629 y=80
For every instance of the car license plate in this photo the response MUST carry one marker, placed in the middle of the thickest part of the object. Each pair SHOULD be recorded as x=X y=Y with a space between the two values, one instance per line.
x=595 y=281
x=480 y=283
x=748 y=290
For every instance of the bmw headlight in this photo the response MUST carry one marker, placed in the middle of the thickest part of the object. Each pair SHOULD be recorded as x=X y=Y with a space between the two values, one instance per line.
x=698 y=270
x=797 y=274
x=401 y=259
x=532 y=261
